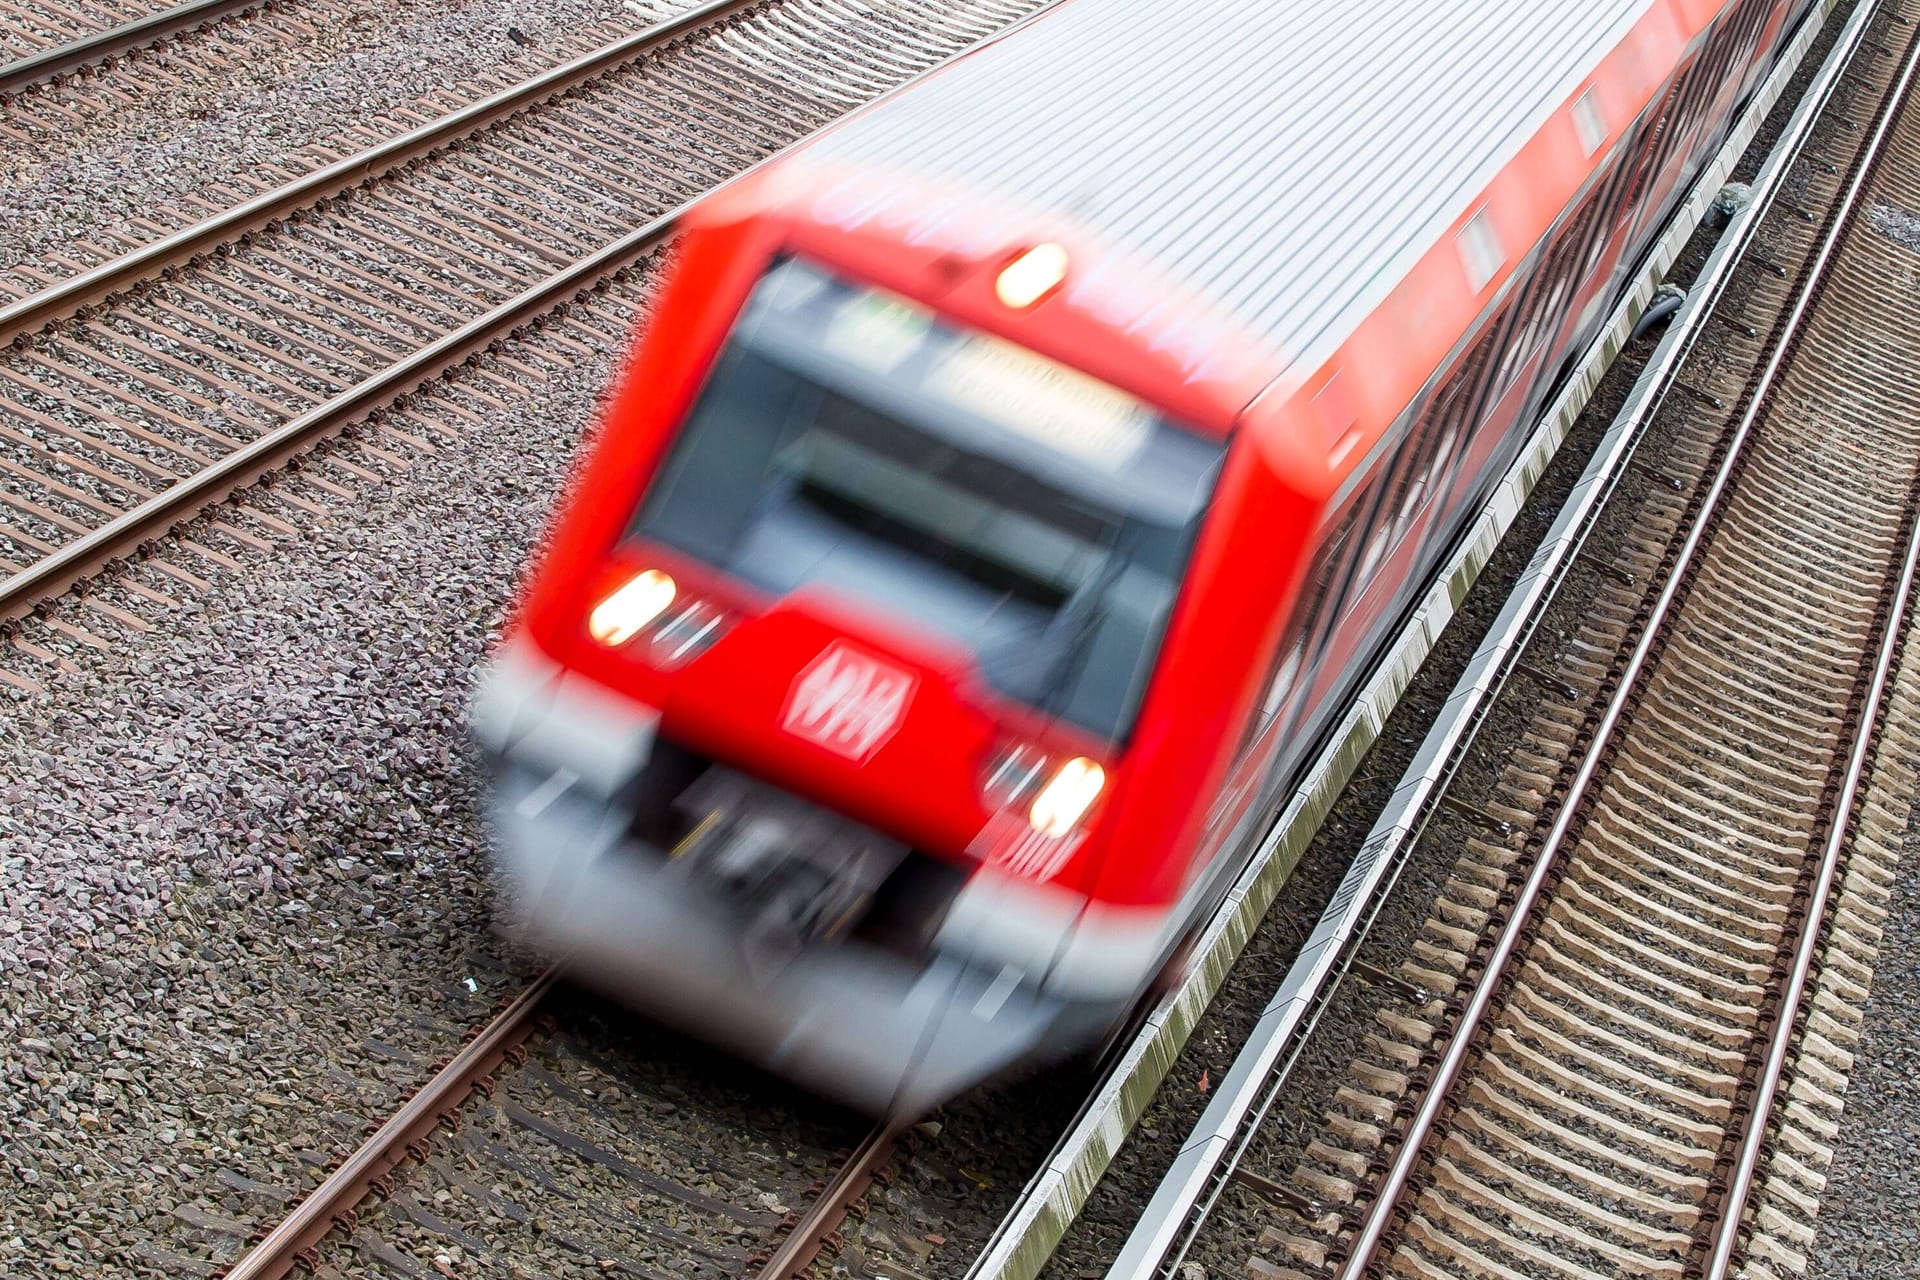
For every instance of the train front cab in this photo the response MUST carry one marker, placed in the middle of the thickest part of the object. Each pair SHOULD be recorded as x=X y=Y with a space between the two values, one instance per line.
x=844 y=724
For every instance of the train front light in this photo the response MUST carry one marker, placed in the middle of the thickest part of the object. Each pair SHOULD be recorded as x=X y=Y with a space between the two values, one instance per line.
x=1039 y=811
x=1031 y=276
x=628 y=611
x=1064 y=801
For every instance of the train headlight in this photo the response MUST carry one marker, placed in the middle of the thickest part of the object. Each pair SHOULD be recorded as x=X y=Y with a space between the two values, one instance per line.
x=1031 y=276
x=1038 y=811
x=626 y=613
x=1065 y=799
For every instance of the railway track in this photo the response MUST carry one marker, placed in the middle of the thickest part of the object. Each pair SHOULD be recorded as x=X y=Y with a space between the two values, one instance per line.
x=585 y=338
x=1607 y=1088
x=142 y=390
x=42 y=39
x=528 y=1145
x=1618 y=1043
x=120 y=127
x=177 y=133
x=136 y=401
x=596 y=1143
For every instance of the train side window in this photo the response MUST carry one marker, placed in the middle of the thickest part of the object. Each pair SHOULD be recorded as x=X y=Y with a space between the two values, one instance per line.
x=1709 y=71
x=1754 y=22
x=1357 y=561
x=1743 y=34
x=1682 y=114
x=1288 y=660
x=1374 y=549
x=1397 y=481
x=1733 y=44
x=1743 y=28
x=1436 y=451
x=1461 y=402
x=1557 y=275
x=1410 y=477
x=1701 y=83
x=1431 y=449
x=1518 y=341
x=1646 y=145
x=1605 y=200
x=1613 y=196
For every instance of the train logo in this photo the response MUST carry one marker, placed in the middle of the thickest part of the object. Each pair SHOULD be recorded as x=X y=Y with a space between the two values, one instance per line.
x=848 y=702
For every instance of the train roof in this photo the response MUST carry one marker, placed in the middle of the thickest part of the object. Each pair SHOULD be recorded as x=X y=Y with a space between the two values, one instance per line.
x=1281 y=161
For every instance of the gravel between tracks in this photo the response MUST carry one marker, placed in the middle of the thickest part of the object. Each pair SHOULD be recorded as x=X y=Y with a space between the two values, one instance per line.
x=246 y=98
x=291 y=922
x=339 y=666
x=609 y=1149
x=244 y=836
x=1869 y=1225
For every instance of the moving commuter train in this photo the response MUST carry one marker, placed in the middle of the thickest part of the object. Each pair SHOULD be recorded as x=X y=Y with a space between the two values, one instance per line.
x=1012 y=481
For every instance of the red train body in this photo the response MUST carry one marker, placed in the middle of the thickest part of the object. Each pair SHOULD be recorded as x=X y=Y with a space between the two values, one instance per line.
x=967 y=564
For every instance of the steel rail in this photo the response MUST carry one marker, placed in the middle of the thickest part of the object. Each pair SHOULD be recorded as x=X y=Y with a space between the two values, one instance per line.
x=1393 y=1185
x=91 y=51
x=75 y=560
x=310 y=1220
x=1726 y=1232
x=829 y=1209
x=1187 y=1194
x=42 y=307
x=291 y=1243
x=1054 y=1196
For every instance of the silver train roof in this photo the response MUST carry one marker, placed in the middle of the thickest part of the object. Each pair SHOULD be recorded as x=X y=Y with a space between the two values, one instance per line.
x=1283 y=160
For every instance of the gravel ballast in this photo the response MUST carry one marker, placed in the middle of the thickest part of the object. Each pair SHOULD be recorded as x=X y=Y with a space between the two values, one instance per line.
x=255 y=821
x=245 y=892
x=1869 y=1224
x=217 y=115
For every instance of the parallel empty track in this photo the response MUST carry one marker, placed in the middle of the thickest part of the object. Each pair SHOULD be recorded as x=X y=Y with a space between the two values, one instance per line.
x=1625 y=1033
x=135 y=394
x=531 y=1152
x=43 y=39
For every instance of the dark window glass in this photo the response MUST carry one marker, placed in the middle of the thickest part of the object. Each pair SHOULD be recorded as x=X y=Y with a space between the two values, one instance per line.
x=1566 y=263
x=1316 y=591
x=1459 y=405
x=850 y=440
x=1645 y=149
x=1682 y=115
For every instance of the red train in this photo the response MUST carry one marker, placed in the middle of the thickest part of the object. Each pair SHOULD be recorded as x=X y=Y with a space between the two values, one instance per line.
x=1011 y=482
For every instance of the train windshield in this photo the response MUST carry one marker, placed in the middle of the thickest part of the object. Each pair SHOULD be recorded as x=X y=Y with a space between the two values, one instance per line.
x=849 y=438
